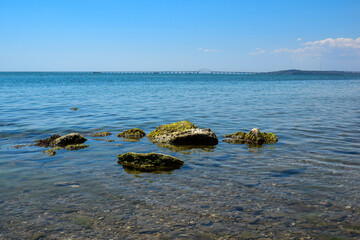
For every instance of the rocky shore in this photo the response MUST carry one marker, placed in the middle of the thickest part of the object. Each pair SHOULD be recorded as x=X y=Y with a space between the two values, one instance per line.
x=177 y=136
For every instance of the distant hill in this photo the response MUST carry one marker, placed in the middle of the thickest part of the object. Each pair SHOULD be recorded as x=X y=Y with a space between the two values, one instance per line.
x=304 y=72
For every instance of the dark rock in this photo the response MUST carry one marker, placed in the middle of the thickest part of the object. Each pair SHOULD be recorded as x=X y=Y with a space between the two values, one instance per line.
x=149 y=162
x=101 y=134
x=47 y=141
x=50 y=152
x=132 y=133
x=183 y=133
x=254 y=136
x=193 y=137
x=19 y=146
x=76 y=147
x=69 y=139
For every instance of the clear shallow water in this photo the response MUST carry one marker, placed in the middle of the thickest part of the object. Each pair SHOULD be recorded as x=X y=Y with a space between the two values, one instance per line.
x=306 y=185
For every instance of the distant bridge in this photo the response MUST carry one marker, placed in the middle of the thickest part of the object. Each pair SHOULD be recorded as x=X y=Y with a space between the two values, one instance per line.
x=179 y=72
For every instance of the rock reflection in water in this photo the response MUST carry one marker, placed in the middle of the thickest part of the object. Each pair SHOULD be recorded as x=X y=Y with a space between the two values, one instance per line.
x=187 y=149
x=137 y=172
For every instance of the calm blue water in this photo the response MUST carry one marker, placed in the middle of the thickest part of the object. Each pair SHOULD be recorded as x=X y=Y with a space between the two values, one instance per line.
x=306 y=185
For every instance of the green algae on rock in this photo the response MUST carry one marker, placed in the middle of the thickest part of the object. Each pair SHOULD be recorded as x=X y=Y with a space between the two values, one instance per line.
x=76 y=147
x=69 y=139
x=149 y=162
x=19 y=146
x=170 y=128
x=47 y=141
x=132 y=133
x=50 y=152
x=254 y=136
x=101 y=134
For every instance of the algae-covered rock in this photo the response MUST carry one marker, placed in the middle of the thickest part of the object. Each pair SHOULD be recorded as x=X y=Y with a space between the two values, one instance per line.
x=50 y=152
x=47 y=141
x=183 y=133
x=254 y=136
x=170 y=128
x=101 y=134
x=148 y=162
x=19 y=146
x=69 y=139
x=76 y=147
x=132 y=133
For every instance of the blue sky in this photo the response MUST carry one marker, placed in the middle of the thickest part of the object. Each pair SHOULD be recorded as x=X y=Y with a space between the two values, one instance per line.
x=107 y=35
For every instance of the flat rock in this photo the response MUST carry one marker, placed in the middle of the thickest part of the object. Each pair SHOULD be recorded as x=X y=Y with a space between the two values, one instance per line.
x=149 y=162
x=101 y=134
x=132 y=133
x=183 y=133
x=76 y=147
x=69 y=139
x=254 y=136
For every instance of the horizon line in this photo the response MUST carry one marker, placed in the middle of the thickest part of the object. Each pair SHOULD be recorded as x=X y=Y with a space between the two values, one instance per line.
x=202 y=71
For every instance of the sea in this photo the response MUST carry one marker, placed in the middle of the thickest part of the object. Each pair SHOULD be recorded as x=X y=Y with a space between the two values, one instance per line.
x=305 y=186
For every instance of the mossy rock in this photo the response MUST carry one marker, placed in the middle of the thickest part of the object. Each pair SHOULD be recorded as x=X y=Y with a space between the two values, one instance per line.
x=101 y=134
x=171 y=128
x=50 y=152
x=132 y=133
x=149 y=162
x=237 y=135
x=76 y=147
x=69 y=139
x=19 y=146
x=254 y=137
x=47 y=141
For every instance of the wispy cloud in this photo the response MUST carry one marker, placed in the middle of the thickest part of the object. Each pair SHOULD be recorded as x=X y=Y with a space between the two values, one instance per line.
x=343 y=47
x=207 y=50
x=299 y=39
x=258 y=51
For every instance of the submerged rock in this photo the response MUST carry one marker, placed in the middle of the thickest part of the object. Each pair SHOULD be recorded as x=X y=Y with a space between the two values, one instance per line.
x=254 y=136
x=50 y=152
x=149 y=162
x=183 y=133
x=47 y=141
x=186 y=149
x=76 y=147
x=69 y=139
x=132 y=133
x=19 y=146
x=101 y=134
